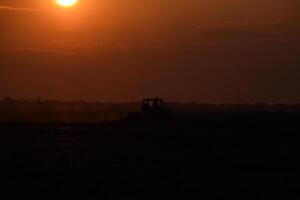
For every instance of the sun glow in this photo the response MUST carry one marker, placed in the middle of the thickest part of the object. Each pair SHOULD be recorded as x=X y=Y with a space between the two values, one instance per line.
x=66 y=3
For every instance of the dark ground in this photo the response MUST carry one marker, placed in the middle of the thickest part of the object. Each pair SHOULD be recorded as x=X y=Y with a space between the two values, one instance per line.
x=242 y=155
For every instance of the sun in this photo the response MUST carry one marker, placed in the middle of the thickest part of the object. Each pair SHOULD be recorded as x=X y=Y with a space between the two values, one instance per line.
x=66 y=3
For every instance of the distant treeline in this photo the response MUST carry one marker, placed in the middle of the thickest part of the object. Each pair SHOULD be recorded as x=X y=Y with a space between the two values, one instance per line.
x=51 y=111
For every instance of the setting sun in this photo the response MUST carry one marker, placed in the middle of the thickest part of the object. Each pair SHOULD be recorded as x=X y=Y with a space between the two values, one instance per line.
x=66 y=3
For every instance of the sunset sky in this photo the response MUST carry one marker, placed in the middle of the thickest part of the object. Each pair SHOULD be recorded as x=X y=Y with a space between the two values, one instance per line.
x=185 y=50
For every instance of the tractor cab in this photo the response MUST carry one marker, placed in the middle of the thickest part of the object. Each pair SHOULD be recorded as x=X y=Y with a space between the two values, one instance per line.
x=155 y=109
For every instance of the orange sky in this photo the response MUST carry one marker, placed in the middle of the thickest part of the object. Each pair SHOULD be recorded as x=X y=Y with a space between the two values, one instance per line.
x=189 y=50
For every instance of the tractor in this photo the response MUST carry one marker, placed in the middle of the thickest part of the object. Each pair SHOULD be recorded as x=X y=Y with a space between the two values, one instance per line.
x=152 y=109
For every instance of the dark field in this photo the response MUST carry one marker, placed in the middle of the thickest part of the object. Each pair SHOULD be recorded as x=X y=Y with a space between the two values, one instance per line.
x=248 y=156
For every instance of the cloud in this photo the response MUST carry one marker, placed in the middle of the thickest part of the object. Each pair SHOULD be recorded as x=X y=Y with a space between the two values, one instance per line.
x=256 y=25
x=253 y=30
x=76 y=43
x=86 y=45
x=17 y=9
x=35 y=50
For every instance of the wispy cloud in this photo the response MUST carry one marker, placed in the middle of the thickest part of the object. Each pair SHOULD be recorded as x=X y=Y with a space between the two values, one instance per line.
x=10 y=8
x=35 y=50
x=88 y=45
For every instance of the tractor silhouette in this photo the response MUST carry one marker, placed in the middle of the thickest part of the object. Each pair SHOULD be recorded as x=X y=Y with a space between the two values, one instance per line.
x=153 y=109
